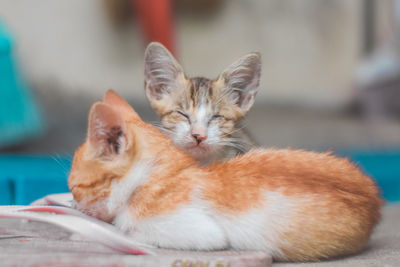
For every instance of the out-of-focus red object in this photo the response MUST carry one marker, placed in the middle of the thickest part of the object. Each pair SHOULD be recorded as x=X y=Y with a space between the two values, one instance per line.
x=156 y=20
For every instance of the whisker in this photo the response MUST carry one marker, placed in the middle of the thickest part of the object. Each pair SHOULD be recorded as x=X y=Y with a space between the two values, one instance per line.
x=241 y=148
x=57 y=159
x=234 y=131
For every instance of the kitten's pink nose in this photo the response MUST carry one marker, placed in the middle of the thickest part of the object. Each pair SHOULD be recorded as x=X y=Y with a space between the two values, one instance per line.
x=199 y=138
x=199 y=134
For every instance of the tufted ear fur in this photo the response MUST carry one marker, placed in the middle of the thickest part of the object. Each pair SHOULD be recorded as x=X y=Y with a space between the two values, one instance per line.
x=241 y=80
x=107 y=132
x=164 y=77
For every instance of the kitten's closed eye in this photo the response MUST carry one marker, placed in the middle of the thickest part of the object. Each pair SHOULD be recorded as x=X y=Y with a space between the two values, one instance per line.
x=183 y=115
x=215 y=117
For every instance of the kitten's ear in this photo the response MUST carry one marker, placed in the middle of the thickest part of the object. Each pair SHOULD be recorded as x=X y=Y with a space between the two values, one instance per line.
x=163 y=75
x=107 y=132
x=241 y=79
x=117 y=102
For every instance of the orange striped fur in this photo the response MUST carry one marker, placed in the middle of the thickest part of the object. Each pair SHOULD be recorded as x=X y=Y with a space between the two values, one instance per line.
x=297 y=205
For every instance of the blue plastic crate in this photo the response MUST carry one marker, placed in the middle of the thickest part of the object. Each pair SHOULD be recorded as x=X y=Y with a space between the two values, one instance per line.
x=24 y=179
x=383 y=166
x=6 y=191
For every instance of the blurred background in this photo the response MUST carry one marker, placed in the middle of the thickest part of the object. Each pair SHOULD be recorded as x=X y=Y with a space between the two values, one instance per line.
x=330 y=74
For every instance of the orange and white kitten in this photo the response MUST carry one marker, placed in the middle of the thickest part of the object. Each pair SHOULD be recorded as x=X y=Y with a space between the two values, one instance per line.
x=202 y=116
x=294 y=204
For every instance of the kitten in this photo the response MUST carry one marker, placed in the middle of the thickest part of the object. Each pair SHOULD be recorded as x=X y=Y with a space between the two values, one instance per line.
x=294 y=204
x=202 y=116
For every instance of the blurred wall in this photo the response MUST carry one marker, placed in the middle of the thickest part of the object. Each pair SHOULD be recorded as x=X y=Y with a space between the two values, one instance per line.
x=310 y=48
x=73 y=44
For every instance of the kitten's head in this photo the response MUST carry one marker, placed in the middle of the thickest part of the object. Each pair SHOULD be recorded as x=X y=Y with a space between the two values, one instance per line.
x=200 y=114
x=116 y=140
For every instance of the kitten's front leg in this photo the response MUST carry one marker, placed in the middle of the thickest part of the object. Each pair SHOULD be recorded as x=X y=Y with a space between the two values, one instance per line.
x=93 y=202
x=96 y=209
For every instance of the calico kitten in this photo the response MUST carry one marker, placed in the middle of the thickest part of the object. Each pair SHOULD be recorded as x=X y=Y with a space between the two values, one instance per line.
x=296 y=205
x=202 y=116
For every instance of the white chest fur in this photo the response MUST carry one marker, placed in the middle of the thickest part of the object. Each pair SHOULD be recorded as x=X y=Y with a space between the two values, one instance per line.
x=122 y=190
